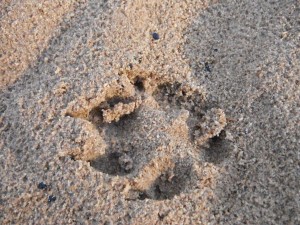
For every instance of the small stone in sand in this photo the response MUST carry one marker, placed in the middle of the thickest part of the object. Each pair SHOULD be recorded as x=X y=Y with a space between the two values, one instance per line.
x=155 y=36
x=42 y=186
x=51 y=198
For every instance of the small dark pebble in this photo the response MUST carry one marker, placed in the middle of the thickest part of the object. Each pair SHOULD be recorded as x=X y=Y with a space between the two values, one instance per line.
x=207 y=68
x=215 y=50
x=42 y=185
x=155 y=36
x=51 y=198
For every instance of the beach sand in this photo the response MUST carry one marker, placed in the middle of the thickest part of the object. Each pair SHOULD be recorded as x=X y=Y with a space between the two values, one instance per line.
x=149 y=112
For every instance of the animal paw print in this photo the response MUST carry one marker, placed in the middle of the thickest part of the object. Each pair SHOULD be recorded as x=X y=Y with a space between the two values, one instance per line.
x=153 y=130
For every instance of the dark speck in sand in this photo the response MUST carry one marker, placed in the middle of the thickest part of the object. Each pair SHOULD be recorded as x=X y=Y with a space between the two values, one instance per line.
x=42 y=186
x=51 y=198
x=155 y=36
x=207 y=68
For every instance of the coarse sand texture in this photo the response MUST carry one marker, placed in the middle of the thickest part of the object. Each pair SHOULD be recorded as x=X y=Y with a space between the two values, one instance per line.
x=149 y=112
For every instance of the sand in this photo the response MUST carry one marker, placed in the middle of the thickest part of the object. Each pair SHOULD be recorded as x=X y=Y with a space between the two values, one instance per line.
x=100 y=123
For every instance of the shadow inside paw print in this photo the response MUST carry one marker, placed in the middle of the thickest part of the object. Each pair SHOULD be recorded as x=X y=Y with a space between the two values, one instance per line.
x=166 y=186
x=219 y=149
x=153 y=130
x=119 y=155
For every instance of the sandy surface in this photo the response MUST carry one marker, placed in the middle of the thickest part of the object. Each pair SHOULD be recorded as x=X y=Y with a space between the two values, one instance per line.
x=102 y=124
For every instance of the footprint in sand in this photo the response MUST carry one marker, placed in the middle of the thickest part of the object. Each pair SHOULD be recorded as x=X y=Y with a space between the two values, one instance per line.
x=153 y=130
